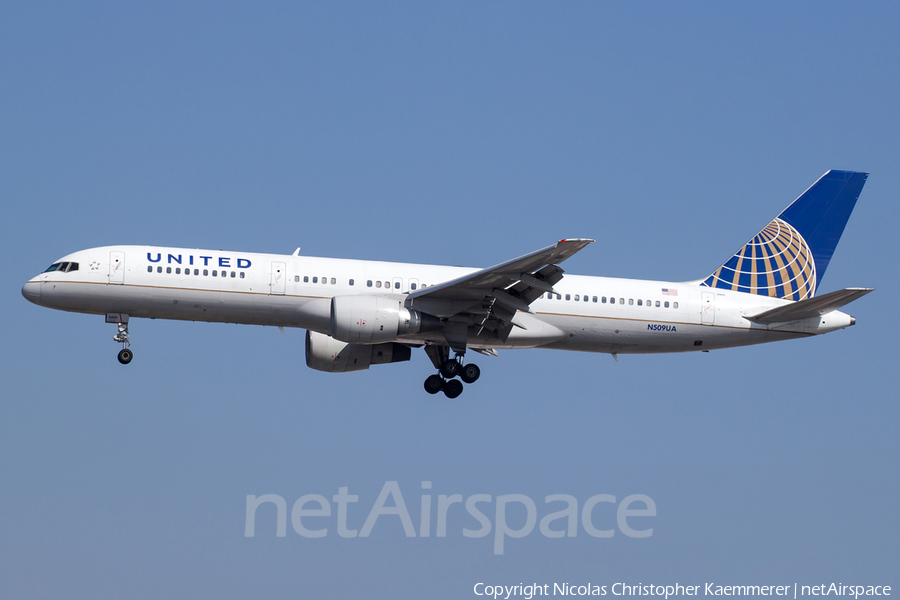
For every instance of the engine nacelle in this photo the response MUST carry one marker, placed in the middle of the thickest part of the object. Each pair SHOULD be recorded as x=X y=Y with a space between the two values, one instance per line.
x=324 y=353
x=374 y=319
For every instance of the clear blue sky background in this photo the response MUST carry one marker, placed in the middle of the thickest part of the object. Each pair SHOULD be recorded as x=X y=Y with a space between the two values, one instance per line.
x=452 y=133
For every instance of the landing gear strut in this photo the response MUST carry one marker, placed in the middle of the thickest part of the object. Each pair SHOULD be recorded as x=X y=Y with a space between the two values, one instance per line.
x=125 y=354
x=448 y=370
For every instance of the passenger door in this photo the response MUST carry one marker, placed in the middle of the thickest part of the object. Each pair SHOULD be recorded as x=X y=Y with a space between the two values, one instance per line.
x=707 y=308
x=278 y=277
x=117 y=267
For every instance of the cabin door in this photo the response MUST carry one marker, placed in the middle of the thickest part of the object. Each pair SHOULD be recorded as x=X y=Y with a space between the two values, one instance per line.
x=278 y=277
x=117 y=267
x=707 y=308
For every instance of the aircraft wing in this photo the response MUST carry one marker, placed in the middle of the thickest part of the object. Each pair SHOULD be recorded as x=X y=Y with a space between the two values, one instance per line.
x=491 y=297
x=811 y=307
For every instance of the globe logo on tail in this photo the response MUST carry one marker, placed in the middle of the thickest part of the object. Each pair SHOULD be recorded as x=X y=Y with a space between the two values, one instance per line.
x=777 y=262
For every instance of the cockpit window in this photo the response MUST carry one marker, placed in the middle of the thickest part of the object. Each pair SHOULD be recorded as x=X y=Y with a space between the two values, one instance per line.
x=64 y=267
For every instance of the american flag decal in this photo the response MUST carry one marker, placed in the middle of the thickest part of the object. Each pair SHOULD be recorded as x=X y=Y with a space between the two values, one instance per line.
x=669 y=292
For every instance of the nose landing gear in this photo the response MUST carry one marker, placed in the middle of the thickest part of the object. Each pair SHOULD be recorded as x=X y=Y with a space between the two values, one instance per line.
x=121 y=319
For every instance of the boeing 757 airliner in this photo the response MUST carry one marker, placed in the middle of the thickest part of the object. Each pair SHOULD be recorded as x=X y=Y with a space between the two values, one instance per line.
x=359 y=313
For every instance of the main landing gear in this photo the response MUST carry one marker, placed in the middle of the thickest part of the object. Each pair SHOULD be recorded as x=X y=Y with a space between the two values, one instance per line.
x=125 y=354
x=446 y=381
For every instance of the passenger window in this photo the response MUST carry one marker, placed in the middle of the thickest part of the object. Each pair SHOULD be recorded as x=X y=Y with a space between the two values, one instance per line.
x=369 y=283
x=159 y=269
x=649 y=303
x=206 y=272
x=333 y=281
x=631 y=302
x=657 y=304
x=640 y=302
x=168 y=270
x=242 y=274
x=296 y=279
x=215 y=273
x=621 y=300
x=149 y=270
x=666 y=304
x=568 y=297
x=387 y=284
x=178 y=270
x=232 y=274
x=315 y=280
x=674 y=305
x=577 y=298
x=603 y=300
x=595 y=299
x=196 y=271
x=412 y=286
x=585 y=298
x=396 y=285
x=351 y=282
x=378 y=284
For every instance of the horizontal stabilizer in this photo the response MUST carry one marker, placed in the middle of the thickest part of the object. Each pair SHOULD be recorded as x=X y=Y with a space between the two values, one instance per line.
x=811 y=307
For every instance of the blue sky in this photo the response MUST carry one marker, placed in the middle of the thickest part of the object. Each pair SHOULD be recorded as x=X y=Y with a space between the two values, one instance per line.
x=450 y=133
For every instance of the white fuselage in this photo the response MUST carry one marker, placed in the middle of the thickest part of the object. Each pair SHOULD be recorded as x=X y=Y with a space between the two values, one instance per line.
x=594 y=314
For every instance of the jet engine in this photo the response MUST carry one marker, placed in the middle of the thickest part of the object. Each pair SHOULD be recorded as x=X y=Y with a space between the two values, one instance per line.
x=375 y=319
x=324 y=353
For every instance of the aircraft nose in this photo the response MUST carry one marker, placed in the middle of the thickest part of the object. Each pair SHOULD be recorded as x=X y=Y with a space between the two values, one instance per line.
x=32 y=292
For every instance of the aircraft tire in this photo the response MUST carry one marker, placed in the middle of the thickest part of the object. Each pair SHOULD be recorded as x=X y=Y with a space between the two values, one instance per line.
x=470 y=373
x=433 y=384
x=453 y=388
x=450 y=368
x=125 y=356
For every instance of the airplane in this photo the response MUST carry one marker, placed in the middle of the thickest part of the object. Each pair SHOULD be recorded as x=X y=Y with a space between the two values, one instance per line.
x=359 y=313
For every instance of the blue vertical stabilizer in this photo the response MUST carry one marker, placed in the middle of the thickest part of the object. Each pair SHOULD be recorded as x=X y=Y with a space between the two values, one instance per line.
x=788 y=258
